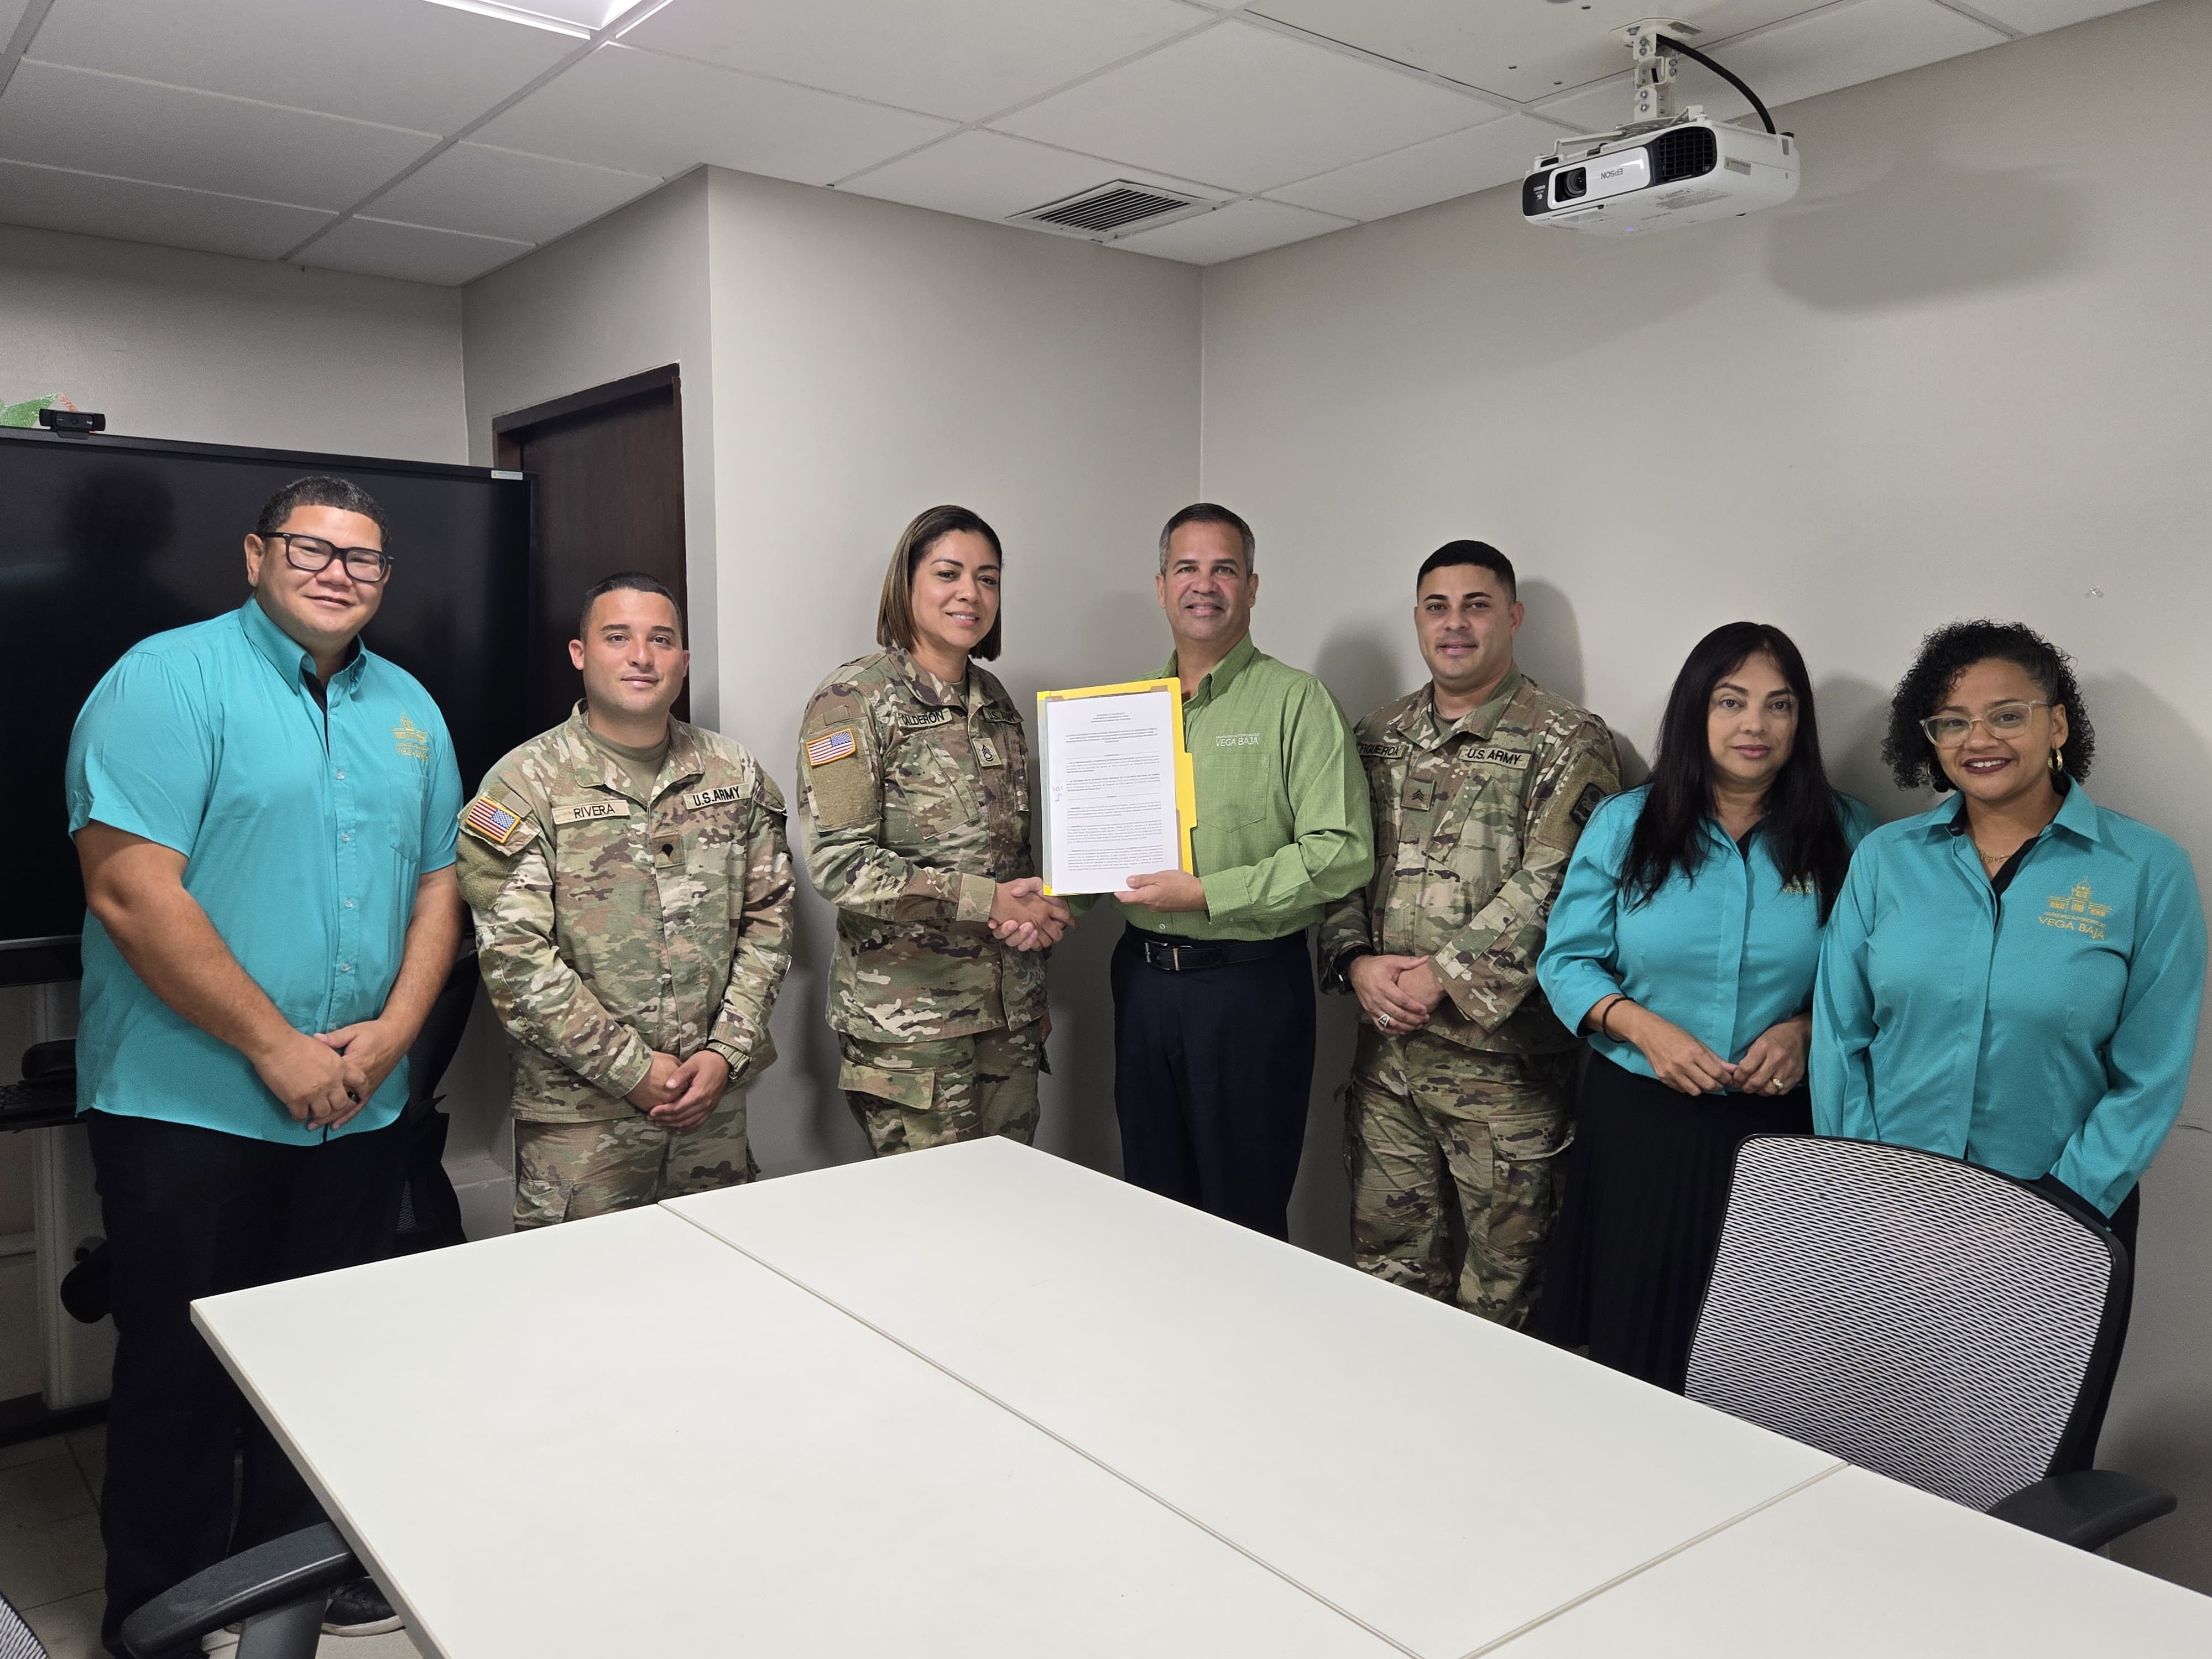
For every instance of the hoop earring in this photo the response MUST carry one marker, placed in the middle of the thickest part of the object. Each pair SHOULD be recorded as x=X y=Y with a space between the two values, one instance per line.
x=2057 y=759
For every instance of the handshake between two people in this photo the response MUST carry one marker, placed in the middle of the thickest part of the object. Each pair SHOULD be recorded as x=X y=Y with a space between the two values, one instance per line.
x=1025 y=917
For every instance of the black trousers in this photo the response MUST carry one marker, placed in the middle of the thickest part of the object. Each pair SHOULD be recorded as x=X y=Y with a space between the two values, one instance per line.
x=1212 y=1070
x=193 y=1213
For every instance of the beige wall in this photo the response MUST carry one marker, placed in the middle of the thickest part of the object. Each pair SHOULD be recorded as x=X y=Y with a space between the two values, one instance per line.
x=870 y=360
x=1963 y=374
x=620 y=296
x=213 y=350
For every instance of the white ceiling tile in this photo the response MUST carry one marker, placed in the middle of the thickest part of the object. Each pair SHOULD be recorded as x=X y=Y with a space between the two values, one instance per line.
x=1603 y=105
x=1232 y=232
x=55 y=198
x=1458 y=164
x=1839 y=45
x=414 y=253
x=988 y=175
x=644 y=112
x=585 y=14
x=400 y=62
x=962 y=58
x=2033 y=16
x=135 y=129
x=1246 y=108
x=1520 y=48
x=503 y=193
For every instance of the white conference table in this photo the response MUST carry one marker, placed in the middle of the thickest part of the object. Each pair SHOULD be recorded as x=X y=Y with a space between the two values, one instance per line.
x=1442 y=1480
x=979 y=1400
x=623 y=1439
x=1855 y=1566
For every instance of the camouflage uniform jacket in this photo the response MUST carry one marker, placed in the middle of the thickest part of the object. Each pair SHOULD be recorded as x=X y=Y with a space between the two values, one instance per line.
x=610 y=927
x=915 y=804
x=1474 y=819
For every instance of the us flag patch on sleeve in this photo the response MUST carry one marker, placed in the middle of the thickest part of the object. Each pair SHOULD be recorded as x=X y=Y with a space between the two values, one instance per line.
x=832 y=746
x=488 y=819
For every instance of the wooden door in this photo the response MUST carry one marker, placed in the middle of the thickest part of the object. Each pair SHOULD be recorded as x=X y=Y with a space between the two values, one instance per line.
x=610 y=469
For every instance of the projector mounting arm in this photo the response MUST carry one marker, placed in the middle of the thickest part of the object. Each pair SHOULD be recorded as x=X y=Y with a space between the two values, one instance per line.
x=1652 y=44
x=1657 y=46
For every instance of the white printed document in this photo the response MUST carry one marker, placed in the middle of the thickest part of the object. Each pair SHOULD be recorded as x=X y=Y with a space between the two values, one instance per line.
x=1117 y=786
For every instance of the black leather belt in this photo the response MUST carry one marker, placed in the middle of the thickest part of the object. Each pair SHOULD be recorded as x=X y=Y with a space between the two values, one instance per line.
x=1190 y=956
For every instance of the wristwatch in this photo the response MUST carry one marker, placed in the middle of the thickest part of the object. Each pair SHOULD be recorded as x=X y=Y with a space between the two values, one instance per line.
x=1339 y=977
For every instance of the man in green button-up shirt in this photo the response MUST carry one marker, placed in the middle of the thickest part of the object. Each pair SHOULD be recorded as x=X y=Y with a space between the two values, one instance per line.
x=1213 y=992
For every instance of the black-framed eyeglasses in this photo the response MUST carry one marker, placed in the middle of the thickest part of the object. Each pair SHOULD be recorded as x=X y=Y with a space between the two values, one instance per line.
x=311 y=553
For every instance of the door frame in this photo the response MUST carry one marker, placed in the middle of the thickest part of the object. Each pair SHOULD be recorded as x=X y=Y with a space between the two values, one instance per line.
x=510 y=431
x=507 y=430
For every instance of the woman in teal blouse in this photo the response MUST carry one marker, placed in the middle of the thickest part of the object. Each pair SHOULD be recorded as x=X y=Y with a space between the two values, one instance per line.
x=2014 y=977
x=1684 y=940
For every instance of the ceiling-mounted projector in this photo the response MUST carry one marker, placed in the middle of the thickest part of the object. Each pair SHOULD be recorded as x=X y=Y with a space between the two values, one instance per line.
x=1665 y=168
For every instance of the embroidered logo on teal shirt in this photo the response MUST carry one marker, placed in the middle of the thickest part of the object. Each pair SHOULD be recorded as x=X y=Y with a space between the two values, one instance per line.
x=2076 y=912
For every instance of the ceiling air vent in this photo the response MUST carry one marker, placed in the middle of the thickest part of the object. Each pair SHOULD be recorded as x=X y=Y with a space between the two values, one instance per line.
x=1112 y=211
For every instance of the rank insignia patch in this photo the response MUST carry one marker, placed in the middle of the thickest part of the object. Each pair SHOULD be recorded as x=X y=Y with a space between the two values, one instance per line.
x=832 y=746
x=488 y=819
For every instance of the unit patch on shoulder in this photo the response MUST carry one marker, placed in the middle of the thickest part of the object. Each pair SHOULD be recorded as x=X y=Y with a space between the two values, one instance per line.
x=1493 y=756
x=1585 y=804
x=585 y=812
x=699 y=798
x=487 y=819
x=832 y=746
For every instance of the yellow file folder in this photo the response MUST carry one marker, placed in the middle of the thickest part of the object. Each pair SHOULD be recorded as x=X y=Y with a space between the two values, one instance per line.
x=1186 y=780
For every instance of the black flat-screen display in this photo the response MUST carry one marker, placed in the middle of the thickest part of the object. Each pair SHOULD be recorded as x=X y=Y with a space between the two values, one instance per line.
x=105 y=540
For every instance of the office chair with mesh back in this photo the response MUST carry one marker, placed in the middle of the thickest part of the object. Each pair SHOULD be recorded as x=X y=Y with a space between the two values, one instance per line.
x=1924 y=1318
x=17 y=1640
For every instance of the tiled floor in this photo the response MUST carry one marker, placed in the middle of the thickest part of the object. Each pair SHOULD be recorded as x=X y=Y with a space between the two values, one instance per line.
x=50 y=1561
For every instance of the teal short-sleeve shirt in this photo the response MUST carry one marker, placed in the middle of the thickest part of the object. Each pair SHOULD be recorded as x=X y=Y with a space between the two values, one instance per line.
x=304 y=830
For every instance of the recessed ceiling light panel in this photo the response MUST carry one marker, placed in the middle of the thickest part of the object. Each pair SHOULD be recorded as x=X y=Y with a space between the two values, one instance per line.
x=580 y=18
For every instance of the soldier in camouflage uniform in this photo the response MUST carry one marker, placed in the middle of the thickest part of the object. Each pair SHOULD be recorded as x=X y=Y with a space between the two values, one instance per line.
x=1462 y=1093
x=914 y=806
x=633 y=903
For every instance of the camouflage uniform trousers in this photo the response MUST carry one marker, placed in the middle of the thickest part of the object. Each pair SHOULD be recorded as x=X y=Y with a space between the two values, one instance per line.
x=906 y=1096
x=1432 y=1127
x=572 y=1171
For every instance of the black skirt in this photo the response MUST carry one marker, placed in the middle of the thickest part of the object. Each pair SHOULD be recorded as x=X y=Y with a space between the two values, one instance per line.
x=1647 y=1183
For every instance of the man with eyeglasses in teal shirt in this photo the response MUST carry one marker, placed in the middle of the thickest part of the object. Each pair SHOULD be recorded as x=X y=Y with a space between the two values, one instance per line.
x=265 y=814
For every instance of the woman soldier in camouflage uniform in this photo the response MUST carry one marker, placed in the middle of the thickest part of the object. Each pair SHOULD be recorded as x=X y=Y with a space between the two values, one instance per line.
x=915 y=804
